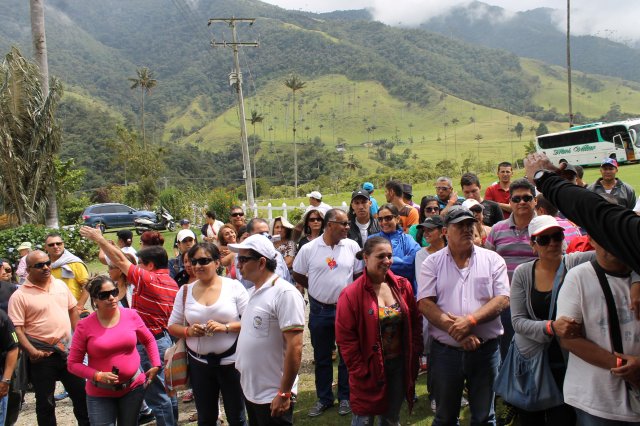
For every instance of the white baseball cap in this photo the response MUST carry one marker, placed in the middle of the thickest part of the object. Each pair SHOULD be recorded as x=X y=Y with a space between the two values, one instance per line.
x=315 y=194
x=541 y=223
x=185 y=233
x=470 y=202
x=258 y=243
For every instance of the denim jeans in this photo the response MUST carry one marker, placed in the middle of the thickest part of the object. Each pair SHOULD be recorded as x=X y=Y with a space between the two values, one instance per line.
x=165 y=408
x=450 y=368
x=322 y=326
x=260 y=415
x=207 y=381
x=586 y=419
x=3 y=408
x=394 y=373
x=105 y=411
x=44 y=374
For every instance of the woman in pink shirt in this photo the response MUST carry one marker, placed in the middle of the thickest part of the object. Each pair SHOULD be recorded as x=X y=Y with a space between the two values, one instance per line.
x=115 y=385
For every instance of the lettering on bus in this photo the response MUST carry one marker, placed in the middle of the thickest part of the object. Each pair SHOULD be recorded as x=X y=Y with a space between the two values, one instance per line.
x=584 y=148
x=561 y=151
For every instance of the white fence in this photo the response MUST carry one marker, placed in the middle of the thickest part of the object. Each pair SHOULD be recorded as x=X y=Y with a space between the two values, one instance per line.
x=272 y=211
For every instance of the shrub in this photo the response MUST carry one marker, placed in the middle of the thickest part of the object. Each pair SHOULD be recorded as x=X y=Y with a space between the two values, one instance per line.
x=12 y=238
x=71 y=210
x=177 y=202
x=220 y=201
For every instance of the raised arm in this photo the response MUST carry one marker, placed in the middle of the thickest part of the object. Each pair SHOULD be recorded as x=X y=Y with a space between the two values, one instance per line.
x=116 y=255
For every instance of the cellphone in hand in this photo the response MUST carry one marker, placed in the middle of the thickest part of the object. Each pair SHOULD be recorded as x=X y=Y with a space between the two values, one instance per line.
x=115 y=370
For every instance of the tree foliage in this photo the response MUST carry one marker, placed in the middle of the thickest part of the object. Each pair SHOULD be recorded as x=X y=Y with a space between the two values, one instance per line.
x=29 y=136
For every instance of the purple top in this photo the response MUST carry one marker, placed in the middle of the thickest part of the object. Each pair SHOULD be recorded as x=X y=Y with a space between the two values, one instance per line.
x=511 y=243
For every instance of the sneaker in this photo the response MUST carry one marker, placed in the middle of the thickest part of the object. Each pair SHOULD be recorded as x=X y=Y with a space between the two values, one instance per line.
x=187 y=397
x=318 y=408
x=344 y=408
x=61 y=396
x=433 y=405
x=463 y=402
x=146 y=417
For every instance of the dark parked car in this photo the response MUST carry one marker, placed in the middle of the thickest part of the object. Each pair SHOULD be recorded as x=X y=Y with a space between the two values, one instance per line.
x=113 y=215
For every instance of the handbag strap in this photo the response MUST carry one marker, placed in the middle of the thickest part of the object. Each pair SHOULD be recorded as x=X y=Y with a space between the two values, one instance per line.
x=557 y=283
x=612 y=312
x=184 y=304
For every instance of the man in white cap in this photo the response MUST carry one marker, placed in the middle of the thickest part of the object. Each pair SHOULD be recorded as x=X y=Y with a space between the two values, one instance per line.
x=185 y=240
x=23 y=250
x=270 y=335
x=315 y=203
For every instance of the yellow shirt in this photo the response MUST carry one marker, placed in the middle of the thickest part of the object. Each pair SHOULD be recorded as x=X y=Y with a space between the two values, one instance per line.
x=80 y=277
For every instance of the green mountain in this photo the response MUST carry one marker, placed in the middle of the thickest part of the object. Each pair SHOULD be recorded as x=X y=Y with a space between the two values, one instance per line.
x=389 y=96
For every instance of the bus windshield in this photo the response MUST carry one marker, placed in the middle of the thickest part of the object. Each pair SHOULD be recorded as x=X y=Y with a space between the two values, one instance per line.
x=636 y=127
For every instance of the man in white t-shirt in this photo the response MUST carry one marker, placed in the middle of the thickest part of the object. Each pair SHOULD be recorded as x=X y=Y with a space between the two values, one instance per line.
x=316 y=203
x=325 y=266
x=269 y=349
x=596 y=380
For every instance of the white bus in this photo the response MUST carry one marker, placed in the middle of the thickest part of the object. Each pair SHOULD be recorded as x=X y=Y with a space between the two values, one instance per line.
x=589 y=144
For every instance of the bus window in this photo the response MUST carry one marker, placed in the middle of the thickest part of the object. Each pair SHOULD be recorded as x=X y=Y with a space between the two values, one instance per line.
x=577 y=137
x=609 y=134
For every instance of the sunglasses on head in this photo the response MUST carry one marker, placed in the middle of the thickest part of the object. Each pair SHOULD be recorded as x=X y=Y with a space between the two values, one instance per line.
x=41 y=265
x=315 y=219
x=202 y=261
x=432 y=209
x=388 y=218
x=58 y=243
x=104 y=295
x=237 y=214
x=526 y=198
x=245 y=259
x=544 y=240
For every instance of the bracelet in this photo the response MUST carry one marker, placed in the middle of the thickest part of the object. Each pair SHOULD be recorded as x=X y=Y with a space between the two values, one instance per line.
x=618 y=362
x=550 y=330
x=227 y=328
x=472 y=320
x=186 y=332
x=284 y=394
x=97 y=376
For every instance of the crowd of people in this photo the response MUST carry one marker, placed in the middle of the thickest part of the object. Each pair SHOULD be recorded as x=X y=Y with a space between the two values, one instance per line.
x=455 y=287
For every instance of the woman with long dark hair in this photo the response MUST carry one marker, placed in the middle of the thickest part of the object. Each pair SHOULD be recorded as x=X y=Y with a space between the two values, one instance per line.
x=429 y=207
x=313 y=227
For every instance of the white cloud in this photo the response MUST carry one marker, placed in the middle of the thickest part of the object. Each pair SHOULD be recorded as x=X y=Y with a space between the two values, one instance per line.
x=617 y=20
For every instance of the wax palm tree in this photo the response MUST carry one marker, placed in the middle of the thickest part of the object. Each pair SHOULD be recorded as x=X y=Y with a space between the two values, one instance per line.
x=145 y=82
x=295 y=83
x=30 y=137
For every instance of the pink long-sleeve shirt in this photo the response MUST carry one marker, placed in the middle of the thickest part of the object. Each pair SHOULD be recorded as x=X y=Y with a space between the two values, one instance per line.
x=109 y=347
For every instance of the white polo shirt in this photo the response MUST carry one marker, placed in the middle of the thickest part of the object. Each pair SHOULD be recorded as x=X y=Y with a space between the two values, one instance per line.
x=329 y=269
x=273 y=309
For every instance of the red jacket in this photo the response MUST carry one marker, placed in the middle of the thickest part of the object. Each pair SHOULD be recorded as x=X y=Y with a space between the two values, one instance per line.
x=360 y=343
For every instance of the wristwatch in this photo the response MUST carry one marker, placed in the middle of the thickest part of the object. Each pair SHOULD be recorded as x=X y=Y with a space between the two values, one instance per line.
x=539 y=175
x=284 y=394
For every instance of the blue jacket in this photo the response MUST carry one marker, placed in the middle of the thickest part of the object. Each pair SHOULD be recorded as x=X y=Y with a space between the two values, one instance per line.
x=404 y=249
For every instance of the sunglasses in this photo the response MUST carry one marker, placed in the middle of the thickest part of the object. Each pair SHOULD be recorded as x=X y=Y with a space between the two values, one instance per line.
x=442 y=188
x=245 y=259
x=315 y=219
x=432 y=209
x=202 y=261
x=386 y=218
x=343 y=224
x=59 y=243
x=41 y=265
x=526 y=198
x=239 y=214
x=104 y=295
x=544 y=240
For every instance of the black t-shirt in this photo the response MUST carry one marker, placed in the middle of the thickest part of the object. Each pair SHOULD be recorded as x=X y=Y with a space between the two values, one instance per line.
x=8 y=338
x=492 y=212
x=6 y=290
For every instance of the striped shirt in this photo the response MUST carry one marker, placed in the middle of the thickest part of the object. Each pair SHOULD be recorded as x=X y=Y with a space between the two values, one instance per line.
x=571 y=231
x=511 y=243
x=153 y=296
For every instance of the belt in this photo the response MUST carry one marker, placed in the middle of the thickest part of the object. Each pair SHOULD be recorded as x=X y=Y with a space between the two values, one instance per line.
x=324 y=305
x=118 y=386
x=459 y=348
x=159 y=335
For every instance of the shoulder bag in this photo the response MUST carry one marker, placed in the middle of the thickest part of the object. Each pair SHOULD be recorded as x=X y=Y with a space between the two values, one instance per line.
x=528 y=383
x=176 y=359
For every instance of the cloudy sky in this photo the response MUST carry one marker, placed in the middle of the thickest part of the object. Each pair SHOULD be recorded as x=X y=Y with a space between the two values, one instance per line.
x=617 y=21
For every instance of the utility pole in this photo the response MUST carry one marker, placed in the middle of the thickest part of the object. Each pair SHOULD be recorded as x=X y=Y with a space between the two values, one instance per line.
x=235 y=79
x=569 y=61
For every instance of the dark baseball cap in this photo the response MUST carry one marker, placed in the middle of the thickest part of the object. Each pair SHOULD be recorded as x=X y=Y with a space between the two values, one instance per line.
x=458 y=214
x=432 y=222
x=407 y=189
x=360 y=193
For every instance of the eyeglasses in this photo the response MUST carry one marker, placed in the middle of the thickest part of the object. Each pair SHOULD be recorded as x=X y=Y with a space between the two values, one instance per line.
x=315 y=219
x=57 y=243
x=104 y=295
x=202 y=261
x=344 y=224
x=432 y=209
x=544 y=240
x=526 y=198
x=237 y=214
x=245 y=259
x=386 y=218
x=187 y=240
x=442 y=188
x=41 y=265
